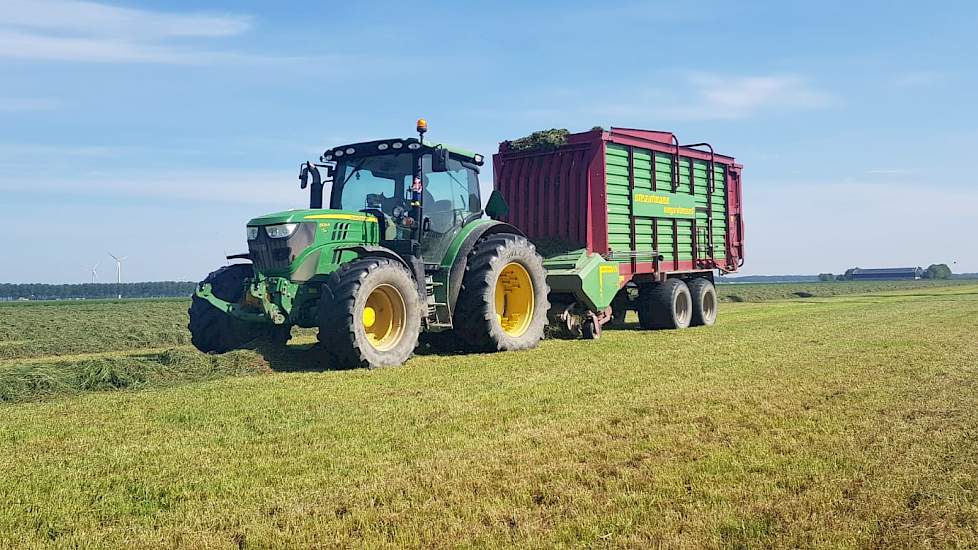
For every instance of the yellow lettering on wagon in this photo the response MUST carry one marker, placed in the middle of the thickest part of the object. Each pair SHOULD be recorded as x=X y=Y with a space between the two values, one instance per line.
x=653 y=199
x=679 y=211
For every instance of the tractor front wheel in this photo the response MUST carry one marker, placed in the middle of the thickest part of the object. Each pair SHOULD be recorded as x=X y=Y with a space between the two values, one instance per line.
x=369 y=315
x=502 y=304
x=214 y=331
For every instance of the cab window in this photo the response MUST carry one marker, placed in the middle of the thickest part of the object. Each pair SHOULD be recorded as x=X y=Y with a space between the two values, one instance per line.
x=451 y=196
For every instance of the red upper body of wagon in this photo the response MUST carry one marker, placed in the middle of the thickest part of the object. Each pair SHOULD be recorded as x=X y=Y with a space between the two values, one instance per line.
x=635 y=197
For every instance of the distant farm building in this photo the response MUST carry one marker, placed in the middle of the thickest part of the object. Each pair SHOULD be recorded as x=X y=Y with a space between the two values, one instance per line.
x=885 y=274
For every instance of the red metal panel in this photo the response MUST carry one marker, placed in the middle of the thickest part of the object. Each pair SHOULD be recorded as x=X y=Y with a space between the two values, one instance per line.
x=539 y=195
x=580 y=220
x=650 y=135
x=523 y=205
x=548 y=191
x=598 y=205
x=562 y=194
x=735 y=219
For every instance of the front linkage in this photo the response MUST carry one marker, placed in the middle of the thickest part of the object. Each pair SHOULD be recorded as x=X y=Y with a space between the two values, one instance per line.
x=275 y=295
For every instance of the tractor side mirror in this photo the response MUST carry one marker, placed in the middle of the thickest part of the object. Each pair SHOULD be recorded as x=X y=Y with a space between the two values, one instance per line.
x=305 y=169
x=496 y=207
x=439 y=160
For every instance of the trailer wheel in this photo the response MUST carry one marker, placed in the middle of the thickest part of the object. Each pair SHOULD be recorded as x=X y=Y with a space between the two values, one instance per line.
x=704 y=296
x=619 y=307
x=666 y=305
x=502 y=303
x=369 y=315
x=214 y=331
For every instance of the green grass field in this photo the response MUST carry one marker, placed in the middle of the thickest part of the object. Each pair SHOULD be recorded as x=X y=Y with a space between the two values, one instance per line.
x=848 y=421
x=762 y=292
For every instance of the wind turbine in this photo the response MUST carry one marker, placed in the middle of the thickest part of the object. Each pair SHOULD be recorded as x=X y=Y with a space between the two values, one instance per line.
x=95 y=273
x=118 y=271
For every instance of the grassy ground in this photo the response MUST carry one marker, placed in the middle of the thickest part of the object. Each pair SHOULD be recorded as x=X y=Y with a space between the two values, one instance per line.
x=761 y=292
x=842 y=422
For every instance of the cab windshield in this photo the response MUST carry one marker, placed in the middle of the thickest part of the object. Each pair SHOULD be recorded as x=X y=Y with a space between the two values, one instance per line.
x=384 y=182
x=372 y=182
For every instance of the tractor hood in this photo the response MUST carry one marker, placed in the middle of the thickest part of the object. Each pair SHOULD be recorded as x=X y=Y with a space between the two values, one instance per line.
x=302 y=243
x=311 y=215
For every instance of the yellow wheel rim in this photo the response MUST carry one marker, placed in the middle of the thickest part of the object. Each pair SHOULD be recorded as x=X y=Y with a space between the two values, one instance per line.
x=383 y=317
x=514 y=299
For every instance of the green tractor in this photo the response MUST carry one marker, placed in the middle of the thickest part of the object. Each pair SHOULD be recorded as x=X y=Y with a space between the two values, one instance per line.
x=394 y=243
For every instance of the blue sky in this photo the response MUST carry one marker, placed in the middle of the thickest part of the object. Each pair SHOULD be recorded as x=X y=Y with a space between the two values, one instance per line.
x=156 y=129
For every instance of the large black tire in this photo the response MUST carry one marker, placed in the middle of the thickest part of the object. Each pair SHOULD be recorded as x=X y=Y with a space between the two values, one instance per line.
x=619 y=307
x=705 y=302
x=495 y=309
x=214 y=331
x=370 y=314
x=665 y=305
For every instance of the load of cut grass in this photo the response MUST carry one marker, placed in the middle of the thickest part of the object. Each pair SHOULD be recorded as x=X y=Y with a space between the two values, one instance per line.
x=541 y=140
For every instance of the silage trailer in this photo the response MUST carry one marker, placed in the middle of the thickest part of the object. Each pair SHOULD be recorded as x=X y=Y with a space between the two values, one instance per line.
x=395 y=243
x=626 y=218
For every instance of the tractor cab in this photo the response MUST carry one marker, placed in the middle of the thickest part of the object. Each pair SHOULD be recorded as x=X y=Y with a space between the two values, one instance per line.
x=421 y=194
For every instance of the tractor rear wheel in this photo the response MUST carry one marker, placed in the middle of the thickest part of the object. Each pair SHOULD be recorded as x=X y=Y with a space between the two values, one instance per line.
x=369 y=315
x=665 y=305
x=502 y=304
x=214 y=331
x=704 y=296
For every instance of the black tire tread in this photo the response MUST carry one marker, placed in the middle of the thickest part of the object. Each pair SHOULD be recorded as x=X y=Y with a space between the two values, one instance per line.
x=697 y=287
x=655 y=302
x=337 y=328
x=212 y=330
x=474 y=316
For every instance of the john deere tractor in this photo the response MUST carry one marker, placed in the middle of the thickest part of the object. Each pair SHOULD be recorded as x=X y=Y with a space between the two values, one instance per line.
x=394 y=243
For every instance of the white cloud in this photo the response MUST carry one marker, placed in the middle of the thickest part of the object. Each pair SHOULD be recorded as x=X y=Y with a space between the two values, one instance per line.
x=15 y=105
x=739 y=97
x=69 y=30
x=93 y=18
x=692 y=97
x=18 y=45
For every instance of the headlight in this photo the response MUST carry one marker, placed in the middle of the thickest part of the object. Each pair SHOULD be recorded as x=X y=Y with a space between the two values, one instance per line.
x=252 y=233
x=281 y=230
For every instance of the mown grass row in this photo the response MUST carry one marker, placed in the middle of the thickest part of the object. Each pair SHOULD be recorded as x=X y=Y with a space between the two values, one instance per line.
x=80 y=327
x=21 y=382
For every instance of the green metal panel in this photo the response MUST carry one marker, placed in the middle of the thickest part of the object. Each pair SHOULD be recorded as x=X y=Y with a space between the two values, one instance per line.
x=653 y=198
x=589 y=278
